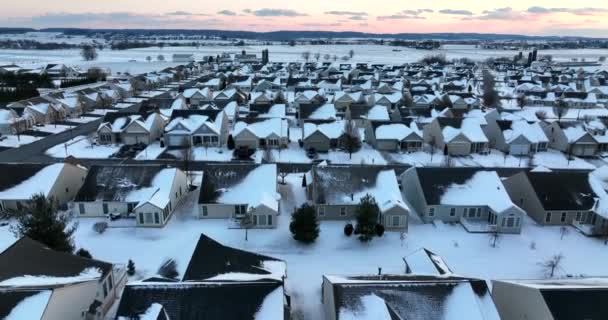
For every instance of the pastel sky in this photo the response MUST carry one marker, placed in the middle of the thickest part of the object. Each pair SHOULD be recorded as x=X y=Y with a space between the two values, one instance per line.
x=536 y=17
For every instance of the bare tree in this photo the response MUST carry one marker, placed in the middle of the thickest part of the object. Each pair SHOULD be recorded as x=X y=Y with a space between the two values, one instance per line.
x=494 y=236
x=560 y=109
x=283 y=174
x=160 y=57
x=551 y=265
x=88 y=52
x=490 y=96
x=148 y=58
x=187 y=159
x=541 y=115
x=327 y=56
x=335 y=58
x=317 y=56
x=563 y=231
x=433 y=145
x=521 y=101
x=246 y=222
x=351 y=138
x=351 y=53
x=306 y=55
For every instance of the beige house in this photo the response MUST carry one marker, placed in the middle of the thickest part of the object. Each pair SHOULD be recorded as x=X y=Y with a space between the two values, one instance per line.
x=40 y=283
x=130 y=129
x=148 y=194
x=20 y=182
x=261 y=133
x=457 y=136
x=238 y=191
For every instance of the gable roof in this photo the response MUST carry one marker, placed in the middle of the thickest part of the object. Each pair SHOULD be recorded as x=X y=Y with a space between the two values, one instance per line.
x=19 y=304
x=211 y=259
x=22 y=181
x=563 y=190
x=27 y=257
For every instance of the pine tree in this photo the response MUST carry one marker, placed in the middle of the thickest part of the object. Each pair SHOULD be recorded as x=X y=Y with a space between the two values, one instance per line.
x=367 y=218
x=131 y=267
x=40 y=221
x=304 y=225
x=230 y=142
x=304 y=182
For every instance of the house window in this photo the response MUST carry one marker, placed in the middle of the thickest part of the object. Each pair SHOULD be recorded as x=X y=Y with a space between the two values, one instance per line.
x=105 y=208
x=563 y=218
x=148 y=217
x=321 y=211
x=517 y=221
x=130 y=207
x=431 y=212
x=105 y=290
x=141 y=218
x=205 y=211
x=548 y=217
x=396 y=221
x=510 y=222
x=578 y=216
x=452 y=212
x=270 y=220
x=156 y=218
x=478 y=212
x=110 y=282
x=504 y=222
x=273 y=142
x=67 y=190
x=342 y=211
x=240 y=209
x=261 y=220
x=81 y=208
x=472 y=212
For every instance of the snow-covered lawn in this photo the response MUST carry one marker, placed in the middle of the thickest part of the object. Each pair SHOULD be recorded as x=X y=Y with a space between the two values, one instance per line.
x=516 y=256
x=417 y=159
x=13 y=141
x=205 y=154
x=554 y=159
x=151 y=152
x=52 y=128
x=366 y=155
x=80 y=147
x=82 y=119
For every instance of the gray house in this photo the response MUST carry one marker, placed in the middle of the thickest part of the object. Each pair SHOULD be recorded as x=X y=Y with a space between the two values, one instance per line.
x=402 y=136
x=148 y=193
x=561 y=198
x=130 y=129
x=551 y=299
x=571 y=138
x=322 y=136
x=518 y=138
x=236 y=191
x=261 y=133
x=445 y=194
x=336 y=191
x=197 y=128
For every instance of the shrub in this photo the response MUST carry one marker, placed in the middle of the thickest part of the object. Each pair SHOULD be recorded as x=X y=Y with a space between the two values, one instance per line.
x=348 y=229
x=304 y=225
x=82 y=252
x=379 y=230
x=100 y=227
x=131 y=267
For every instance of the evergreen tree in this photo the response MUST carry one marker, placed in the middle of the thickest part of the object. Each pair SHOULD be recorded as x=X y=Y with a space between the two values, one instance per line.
x=304 y=182
x=131 y=267
x=367 y=218
x=84 y=253
x=230 y=142
x=348 y=229
x=40 y=221
x=304 y=225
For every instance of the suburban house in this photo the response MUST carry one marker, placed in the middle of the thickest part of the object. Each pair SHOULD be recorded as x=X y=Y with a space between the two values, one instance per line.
x=336 y=192
x=571 y=138
x=425 y=262
x=225 y=193
x=322 y=136
x=197 y=128
x=445 y=194
x=149 y=193
x=130 y=129
x=314 y=112
x=197 y=97
x=407 y=297
x=404 y=136
x=457 y=136
x=261 y=133
x=37 y=282
x=517 y=138
x=40 y=109
x=20 y=182
x=12 y=122
x=562 y=198
x=551 y=299
x=214 y=273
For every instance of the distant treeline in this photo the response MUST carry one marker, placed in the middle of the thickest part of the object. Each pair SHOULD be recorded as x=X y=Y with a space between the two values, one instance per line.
x=35 y=45
x=22 y=80
x=8 y=95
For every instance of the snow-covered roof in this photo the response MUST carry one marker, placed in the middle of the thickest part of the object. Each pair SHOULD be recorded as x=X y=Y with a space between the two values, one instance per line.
x=31 y=305
x=41 y=182
x=332 y=130
x=324 y=112
x=397 y=131
x=470 y=128
x=378 y=112
x=264 y=128
x=262 y=179
x=531 y=131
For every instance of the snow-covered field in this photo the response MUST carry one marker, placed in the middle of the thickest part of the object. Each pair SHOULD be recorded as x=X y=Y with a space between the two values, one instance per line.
x=516 y=256
x=119 y=61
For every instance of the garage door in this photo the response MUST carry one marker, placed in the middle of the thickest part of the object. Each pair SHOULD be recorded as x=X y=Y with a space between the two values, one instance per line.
x=589 y=150
x=176 y=140
x=519 y=149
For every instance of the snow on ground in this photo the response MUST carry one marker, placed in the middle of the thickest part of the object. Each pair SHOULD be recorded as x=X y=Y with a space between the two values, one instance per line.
x=515 y=257
x=28 y=280
x=31 y=307
x=151 y=152
x=205 y=154
x=13 y=141
x=53 y=128
x=366 y=155
x=81 y=147
x=82 y=119
x=554 y=159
